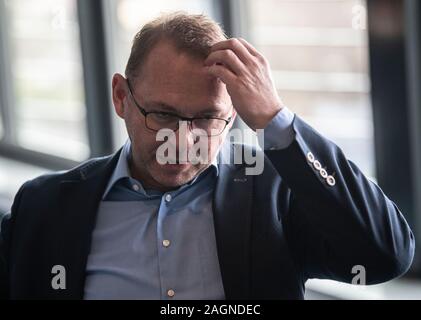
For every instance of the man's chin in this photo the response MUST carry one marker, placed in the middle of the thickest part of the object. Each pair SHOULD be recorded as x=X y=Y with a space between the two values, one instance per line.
x=175 y=175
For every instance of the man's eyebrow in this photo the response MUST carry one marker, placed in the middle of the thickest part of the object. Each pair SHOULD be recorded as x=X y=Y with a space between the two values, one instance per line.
x=161 y=106
x=211 y=112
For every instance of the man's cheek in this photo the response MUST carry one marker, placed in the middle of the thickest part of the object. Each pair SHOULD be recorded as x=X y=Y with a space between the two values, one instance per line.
x=214 y=145
x=147 y=150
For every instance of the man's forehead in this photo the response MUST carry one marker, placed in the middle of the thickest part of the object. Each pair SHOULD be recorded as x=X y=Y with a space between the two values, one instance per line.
x=165 y=54
x=196 y=85
x=166 y=48
x=179 y=73
x=171 y=78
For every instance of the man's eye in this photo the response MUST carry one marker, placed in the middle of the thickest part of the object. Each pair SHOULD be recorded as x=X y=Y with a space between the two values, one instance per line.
x=164 y=116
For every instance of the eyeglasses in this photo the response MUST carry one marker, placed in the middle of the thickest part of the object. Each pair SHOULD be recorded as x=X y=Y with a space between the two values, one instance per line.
x=157 y=120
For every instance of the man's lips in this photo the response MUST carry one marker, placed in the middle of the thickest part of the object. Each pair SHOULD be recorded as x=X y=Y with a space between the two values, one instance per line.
x=176 y=165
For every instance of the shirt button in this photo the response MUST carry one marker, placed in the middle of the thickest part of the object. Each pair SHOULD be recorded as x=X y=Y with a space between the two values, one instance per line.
x=171 y=293
x=168 y=197
x=136 y=187
x=166 y=243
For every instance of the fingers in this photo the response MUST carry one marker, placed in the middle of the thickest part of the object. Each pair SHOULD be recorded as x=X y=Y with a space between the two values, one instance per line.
x=227 y=58
x=232 y=58
x=237 y=46
x=222 y=73
x=252 y=50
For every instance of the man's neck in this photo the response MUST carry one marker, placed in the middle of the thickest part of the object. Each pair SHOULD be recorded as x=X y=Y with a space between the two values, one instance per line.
x=146 y=179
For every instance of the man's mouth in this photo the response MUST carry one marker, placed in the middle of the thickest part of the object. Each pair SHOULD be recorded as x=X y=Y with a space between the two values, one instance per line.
x=175 y=167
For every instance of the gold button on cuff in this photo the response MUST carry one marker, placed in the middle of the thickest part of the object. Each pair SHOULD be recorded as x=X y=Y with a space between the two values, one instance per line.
x=317 y=165
x=166 y=243
x=323 y=173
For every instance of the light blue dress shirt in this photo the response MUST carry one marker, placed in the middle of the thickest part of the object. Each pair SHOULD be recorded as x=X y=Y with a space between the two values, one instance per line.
x=152 y=245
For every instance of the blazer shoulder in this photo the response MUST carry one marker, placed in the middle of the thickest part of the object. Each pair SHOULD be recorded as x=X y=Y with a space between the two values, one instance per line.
x=80 y=172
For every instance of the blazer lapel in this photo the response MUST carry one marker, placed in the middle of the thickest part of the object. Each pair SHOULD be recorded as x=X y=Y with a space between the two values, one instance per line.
x=79 y=201
x=232 y=219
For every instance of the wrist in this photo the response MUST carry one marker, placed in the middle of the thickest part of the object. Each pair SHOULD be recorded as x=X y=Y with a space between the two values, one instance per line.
x=264 y=118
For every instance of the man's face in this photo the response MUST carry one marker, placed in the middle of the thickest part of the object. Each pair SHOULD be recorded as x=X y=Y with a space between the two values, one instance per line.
x=175 y=82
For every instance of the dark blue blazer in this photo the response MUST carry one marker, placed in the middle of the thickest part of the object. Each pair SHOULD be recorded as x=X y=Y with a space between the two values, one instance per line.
x=274 y=231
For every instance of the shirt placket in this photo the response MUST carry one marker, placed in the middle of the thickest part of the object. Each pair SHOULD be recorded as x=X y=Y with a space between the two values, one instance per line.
x=164 y=242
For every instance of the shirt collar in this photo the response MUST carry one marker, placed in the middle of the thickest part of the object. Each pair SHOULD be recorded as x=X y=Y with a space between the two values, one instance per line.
x=122 y=169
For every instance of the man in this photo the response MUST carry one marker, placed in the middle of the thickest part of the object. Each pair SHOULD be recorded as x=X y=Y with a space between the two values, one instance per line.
x=128 y=226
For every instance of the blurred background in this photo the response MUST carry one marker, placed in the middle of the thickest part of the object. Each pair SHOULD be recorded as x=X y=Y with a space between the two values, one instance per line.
x=351 y=68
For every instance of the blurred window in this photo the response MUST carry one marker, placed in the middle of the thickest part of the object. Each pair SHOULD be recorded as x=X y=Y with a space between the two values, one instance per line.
x=47 y=77
x=319 y=55
x=1 y=126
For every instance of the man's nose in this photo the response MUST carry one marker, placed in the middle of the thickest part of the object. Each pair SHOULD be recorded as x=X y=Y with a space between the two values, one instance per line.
x=185 y=138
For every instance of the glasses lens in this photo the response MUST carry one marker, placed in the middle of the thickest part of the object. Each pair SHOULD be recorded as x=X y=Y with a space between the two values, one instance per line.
x=212 y=127
x=158 y=121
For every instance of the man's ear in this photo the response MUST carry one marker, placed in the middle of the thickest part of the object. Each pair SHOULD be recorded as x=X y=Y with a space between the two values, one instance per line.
x=119 y=93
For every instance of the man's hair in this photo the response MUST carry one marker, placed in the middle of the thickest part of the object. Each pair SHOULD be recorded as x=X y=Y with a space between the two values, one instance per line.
x=192 y=33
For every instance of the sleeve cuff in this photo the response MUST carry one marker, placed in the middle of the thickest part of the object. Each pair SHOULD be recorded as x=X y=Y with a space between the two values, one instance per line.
x=279 y=133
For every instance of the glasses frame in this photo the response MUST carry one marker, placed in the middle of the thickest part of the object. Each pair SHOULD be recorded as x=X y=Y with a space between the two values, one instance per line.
x=186 y=119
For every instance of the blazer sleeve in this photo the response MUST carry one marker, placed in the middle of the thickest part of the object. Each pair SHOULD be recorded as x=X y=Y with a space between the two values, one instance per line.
x=6 y=225
x=338 y=218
